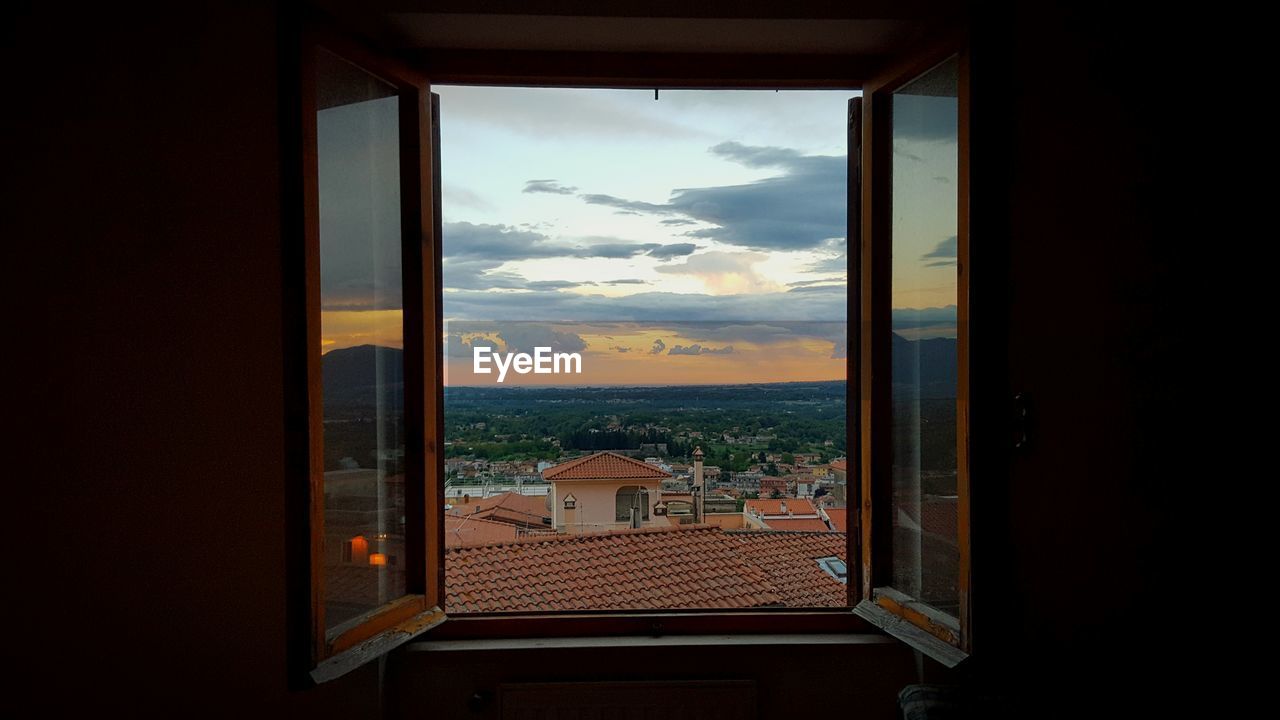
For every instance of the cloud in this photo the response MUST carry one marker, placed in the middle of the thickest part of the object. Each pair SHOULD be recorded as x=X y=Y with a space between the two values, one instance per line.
x=802 y=207
x=625 y=281
x=620 y=348
x=943 y=254
x=557 y=306
x=658 y=347
x=473 y=252
x=673 y=250
x=623 y=204
x=458 y=345
x=834 y=282
x=547 y=186
x=723 y=271
x=697 y=349
x=495 y=243
x=524 y=337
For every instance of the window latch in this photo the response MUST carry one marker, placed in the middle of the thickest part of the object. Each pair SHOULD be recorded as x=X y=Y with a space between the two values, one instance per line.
x=1021 y=421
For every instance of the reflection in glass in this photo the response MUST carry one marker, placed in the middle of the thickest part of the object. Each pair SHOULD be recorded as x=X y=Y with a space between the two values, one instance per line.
x=358 y=154
x=924 y=296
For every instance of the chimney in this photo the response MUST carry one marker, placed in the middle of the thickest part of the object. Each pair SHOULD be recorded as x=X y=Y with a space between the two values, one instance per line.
x=698 y=489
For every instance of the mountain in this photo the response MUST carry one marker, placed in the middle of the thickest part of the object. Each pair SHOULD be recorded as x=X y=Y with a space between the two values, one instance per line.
x=929 y=364
x=352 y=375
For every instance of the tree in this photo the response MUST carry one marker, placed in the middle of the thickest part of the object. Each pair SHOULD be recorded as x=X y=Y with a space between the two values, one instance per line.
x=776 y=494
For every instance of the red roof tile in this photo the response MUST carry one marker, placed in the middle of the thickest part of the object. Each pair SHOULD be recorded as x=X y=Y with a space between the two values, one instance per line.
x=649 y=568
x=796 y=524
x=790 y=559
x=795 y=506
x=472 y=530
x=508 y=507
x=839 y=465
x=839 y=518
x=604 y=466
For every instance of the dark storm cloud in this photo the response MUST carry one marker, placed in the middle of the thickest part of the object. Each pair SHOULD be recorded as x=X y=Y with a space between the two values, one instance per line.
x=942 y=255
x=474 y=252
x=801 y=208
x=548 y=186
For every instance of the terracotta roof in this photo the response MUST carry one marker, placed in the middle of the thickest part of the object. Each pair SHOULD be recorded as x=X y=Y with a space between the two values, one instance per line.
x=463 y=531
x=790 y=559
x=625 y=569
x=767 y=507
x=789 y=523
x=604 y=466
x=507 y=507
x=839 y=465
x=650 y=568
x=839 y=518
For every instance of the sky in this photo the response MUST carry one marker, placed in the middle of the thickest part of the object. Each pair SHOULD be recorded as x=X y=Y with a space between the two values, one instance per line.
x=695 y=238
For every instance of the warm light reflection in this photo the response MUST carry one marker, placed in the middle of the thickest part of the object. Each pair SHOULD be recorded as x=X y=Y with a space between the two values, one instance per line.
x=377 y=559
x=359 y=549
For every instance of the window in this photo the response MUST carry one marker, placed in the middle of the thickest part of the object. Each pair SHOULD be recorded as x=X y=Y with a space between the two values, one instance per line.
x=370 y=358
x=914 y=311
x=378 y=351
x=631 y=504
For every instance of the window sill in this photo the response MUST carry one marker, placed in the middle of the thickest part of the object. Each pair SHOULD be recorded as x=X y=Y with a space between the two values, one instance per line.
x=614 y=625
x=949 y=655
x=503 y=644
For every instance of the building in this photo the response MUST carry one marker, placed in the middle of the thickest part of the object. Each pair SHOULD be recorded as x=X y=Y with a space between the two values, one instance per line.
x=784 y=514
x=604 y=491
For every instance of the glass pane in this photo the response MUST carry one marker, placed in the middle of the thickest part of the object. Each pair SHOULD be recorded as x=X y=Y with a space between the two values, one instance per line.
x=926 y=556
x=361 y=339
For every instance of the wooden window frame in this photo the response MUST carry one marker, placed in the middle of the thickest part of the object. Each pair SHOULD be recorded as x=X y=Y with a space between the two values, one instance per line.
x=319 y=657
x=946 y=639
x=325 y=653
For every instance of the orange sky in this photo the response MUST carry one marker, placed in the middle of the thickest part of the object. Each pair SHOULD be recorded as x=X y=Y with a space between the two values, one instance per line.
x=786 y=358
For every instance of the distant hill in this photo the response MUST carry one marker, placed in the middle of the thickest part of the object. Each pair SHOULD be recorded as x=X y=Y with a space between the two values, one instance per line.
x=351 y=375
x=929 y=364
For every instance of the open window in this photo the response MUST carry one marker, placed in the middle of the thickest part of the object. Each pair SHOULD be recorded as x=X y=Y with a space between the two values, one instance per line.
x=374 y=435
x=913 y=314
x=369 y=252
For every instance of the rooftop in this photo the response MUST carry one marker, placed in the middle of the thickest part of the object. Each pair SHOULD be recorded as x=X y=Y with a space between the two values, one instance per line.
x=463 y=531
x=605 y=466
x=648 y=568
x=768 y=507
x=839 y=518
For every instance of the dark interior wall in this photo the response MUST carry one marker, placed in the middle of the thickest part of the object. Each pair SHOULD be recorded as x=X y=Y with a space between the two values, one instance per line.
x=790 y=680
x=142 y=226
x=1085 y=544
x=142 y=208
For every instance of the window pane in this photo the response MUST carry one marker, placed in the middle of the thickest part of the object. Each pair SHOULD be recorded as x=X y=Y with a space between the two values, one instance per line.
x=926 y=556
x=361 y=339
